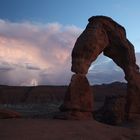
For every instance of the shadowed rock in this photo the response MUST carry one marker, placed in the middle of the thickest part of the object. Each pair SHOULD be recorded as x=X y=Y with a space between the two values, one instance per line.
x=113 y=110
x=78 y=102
x=102 y=34
x=6 y=113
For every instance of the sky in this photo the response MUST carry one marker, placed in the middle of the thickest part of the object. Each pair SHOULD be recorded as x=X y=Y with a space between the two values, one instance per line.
x=37 y=37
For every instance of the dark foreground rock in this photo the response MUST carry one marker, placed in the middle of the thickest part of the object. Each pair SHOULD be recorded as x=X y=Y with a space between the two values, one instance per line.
x=6 y=114
x=113 y=110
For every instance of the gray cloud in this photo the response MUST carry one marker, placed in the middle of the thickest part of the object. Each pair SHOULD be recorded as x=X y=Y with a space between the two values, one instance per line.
x=104 y=70
x=37 y=52
x=4 y=66
x=33 y=53
x=138 y=58
x=31 y=67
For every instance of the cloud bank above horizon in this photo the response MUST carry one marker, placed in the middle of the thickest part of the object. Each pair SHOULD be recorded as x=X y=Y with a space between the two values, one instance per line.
x=35 y=53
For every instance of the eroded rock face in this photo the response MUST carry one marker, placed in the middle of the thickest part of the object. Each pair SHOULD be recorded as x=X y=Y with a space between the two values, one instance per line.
x=78 y=102
x=133 y=98
x=102 y=34
x=87 y=47
x=113 y=110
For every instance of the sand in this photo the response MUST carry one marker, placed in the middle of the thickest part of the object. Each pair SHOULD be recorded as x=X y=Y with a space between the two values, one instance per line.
x=50 y=129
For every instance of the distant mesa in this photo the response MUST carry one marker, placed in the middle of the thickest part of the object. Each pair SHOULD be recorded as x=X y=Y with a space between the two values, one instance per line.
x=102 y=34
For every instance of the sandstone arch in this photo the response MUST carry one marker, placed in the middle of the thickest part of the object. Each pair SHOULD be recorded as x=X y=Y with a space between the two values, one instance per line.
x=102 y=34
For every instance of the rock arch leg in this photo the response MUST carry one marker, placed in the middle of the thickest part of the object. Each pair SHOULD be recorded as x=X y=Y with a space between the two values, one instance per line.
x=133 y=93
x=124 y=56
x=78 y=102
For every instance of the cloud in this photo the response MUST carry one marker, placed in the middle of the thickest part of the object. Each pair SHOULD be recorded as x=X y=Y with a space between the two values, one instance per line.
x=35 y=53
x=104 y=70
x=138 y=59
x=5 y=66
x=31 y=67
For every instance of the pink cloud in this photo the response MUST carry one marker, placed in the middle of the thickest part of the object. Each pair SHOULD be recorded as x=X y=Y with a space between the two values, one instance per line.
x=36 y=49
x=35 y=53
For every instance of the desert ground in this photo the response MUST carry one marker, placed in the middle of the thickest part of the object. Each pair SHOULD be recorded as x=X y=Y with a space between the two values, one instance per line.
x=39 y=105
x=45 y=129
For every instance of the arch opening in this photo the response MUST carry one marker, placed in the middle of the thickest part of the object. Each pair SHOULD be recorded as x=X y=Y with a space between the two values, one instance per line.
x=104 y=71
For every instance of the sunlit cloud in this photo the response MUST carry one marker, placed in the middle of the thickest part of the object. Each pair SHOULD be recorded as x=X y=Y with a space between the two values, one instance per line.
x=35 y=53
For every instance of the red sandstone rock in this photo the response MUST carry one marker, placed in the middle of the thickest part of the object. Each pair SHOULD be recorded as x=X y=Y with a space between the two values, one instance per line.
x=102 y=34
x=113 y=110
x=6 y=113
x=78 y=102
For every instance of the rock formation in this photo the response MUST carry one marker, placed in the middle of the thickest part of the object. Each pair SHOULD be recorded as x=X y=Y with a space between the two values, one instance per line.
x=78 y=102
x=102 y=34
x=112 y=112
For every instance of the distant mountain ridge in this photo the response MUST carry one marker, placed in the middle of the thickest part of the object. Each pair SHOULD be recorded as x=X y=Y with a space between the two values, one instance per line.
x=44 y=94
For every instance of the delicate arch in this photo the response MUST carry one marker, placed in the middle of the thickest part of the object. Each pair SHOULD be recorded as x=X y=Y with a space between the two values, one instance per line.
x=102 y=34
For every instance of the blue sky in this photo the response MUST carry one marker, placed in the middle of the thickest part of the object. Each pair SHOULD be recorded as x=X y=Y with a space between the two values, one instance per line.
x=75 y=12
x=37 y=36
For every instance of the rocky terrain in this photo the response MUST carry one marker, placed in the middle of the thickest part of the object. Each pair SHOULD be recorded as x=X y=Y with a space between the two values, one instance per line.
x=45 y=94
x=38 y=105
x=44 y=101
